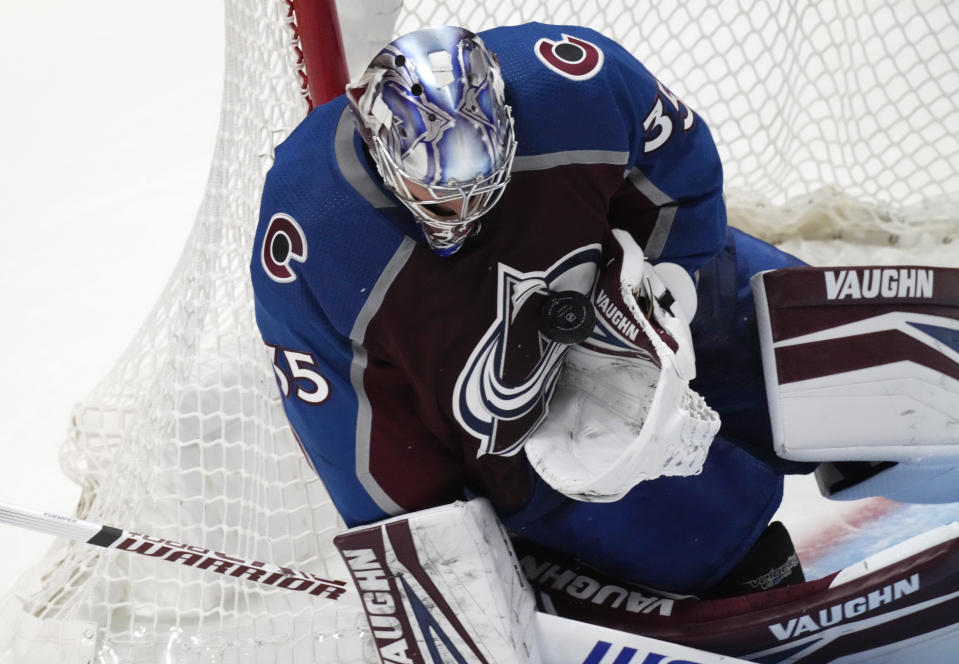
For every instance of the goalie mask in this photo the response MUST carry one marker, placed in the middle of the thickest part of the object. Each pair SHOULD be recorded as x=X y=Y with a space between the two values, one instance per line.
x=432 y=111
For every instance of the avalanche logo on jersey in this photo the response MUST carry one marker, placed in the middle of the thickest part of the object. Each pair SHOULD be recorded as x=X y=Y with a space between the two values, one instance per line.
x=574 y=58
x=503 y=410
x=284 y=241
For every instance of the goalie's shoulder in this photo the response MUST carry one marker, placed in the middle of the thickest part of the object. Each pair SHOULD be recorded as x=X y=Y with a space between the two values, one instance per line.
x=325 y=233
x=569 y=87
x=558 y=65
x=516 y=41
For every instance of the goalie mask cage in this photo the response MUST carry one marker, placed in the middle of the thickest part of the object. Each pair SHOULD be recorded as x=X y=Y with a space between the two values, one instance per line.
x=836 y=123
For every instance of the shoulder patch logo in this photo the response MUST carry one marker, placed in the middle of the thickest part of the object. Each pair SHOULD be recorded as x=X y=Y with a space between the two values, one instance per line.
x=284 y=241
x=574 y=58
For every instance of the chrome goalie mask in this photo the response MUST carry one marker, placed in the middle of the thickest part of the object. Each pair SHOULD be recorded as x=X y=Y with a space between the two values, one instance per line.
x=431 y=108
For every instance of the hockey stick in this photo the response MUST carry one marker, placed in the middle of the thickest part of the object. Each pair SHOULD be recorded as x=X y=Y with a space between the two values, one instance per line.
x=197 y=557
x=562 y=641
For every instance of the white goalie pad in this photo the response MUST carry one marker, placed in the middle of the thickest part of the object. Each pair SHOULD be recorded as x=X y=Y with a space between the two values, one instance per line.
x=917 y=482
x=861 y=363
x=622 y=411
x=443 y=584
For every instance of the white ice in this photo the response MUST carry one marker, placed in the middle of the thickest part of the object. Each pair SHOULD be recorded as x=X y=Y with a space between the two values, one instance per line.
x=107 y=126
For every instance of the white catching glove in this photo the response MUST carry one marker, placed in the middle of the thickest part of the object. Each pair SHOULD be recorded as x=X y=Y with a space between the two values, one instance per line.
x=622 y=411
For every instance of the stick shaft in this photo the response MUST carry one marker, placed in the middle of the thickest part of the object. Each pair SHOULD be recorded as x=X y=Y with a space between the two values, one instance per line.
x=171 y=551
x=49 y=523
x=562 y=640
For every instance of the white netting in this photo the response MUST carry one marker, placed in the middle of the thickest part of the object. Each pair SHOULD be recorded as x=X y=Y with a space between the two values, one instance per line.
x=834 y=120
x=836 y=123
x=186 y=439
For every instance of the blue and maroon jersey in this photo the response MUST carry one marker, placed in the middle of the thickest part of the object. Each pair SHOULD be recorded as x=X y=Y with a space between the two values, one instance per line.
x=411 y=379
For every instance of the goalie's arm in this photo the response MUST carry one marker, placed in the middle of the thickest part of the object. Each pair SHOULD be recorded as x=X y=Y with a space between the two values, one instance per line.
x=671 y=200
x=356 y=418
x=353 y=411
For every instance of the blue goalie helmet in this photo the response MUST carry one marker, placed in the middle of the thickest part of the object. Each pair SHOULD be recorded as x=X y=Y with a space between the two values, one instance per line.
x=432 y=110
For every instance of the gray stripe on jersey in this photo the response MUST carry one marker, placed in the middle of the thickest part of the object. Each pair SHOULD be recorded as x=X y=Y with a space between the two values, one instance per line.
x=667 y=212
x=539 y=162
x=364 y=413
x=350 y=166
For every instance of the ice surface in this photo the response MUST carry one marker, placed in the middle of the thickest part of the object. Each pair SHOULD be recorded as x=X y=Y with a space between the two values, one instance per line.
x=108 y=123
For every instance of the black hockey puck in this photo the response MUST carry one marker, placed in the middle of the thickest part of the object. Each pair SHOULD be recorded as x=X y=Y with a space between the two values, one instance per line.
x=567 y=317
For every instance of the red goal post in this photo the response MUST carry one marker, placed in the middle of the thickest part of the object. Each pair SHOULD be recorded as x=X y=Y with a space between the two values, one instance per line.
x=316 y=27
x=836 y=123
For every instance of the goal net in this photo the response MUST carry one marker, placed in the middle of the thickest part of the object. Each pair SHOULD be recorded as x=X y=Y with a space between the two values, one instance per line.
x=836 y=123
